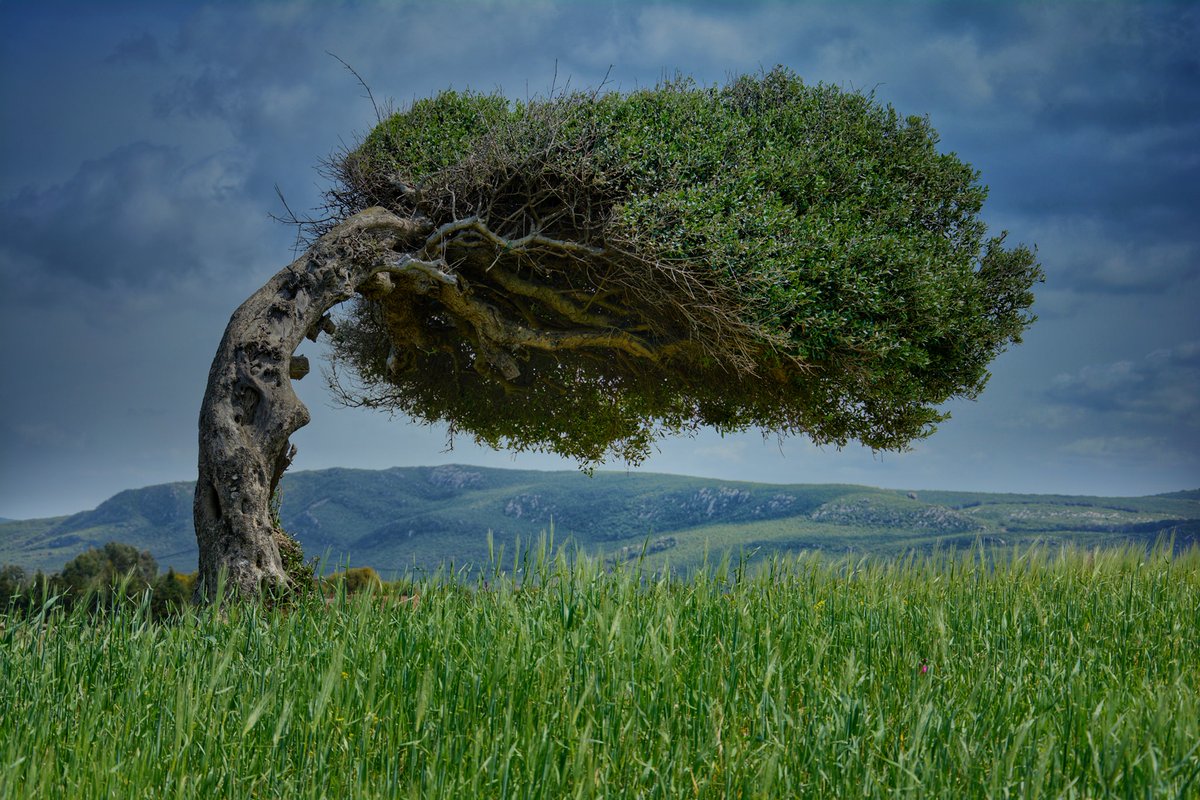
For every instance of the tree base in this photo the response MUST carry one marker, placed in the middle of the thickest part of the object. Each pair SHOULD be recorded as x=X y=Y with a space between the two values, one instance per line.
x=250 y=410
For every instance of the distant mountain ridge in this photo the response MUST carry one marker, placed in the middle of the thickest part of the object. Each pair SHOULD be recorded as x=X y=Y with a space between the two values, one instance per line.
x=421 y=517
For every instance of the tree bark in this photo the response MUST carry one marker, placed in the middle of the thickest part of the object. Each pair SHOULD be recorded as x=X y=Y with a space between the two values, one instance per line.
x=250 y=410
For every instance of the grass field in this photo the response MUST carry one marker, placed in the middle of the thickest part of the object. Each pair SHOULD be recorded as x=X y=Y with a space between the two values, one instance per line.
x=1025 y=674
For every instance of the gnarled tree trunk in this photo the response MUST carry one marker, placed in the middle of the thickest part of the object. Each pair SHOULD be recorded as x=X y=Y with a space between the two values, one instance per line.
x=250 y=410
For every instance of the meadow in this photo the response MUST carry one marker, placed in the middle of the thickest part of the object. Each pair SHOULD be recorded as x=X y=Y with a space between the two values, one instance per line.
x=1015 y=673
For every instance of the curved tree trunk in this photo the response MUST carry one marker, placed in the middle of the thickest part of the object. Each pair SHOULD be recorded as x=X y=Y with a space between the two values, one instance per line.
x=249 y=409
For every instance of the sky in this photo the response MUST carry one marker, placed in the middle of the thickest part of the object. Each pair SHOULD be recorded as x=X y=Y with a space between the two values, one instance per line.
x=141 y=144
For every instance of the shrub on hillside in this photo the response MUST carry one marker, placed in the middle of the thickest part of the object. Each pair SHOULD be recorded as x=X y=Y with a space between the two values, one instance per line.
x=100 y=578
x=354 y=580
x=171 y=593
x=15 y=587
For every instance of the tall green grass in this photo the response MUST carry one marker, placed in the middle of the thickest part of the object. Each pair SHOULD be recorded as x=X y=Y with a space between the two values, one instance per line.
x=1025 y=674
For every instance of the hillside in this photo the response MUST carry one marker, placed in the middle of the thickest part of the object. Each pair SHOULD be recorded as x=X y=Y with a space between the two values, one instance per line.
x=406 y=517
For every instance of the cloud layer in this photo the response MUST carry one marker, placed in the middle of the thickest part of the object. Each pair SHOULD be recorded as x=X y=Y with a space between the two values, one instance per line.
x=142 y=151
x=1165 y=385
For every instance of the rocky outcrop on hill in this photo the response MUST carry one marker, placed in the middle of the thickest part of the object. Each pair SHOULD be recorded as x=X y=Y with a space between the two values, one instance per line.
x=717 y=503
x=452 y=476
x=630 y=552
x=529 y=506
x=867 y=513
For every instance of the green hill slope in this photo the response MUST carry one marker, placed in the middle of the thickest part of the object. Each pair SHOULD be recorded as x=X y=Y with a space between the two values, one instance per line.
x=422 y=517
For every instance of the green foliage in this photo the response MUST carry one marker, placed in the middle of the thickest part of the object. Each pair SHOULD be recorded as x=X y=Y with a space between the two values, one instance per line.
x=796 y=258
x=435 y=133
x=102 y=576
x=15 y=587
x=171 y=594
x=1025 y=674
x=301 y=575
x=100 y=579
x=355 y=580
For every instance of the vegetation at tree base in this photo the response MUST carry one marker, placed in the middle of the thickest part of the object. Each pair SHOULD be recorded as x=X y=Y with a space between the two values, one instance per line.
x=1026 y=674
x=764 y=254
x=301 y=576
x=118 y=576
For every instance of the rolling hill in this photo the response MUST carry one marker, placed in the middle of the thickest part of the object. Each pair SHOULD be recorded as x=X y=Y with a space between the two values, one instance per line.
x=422 y=517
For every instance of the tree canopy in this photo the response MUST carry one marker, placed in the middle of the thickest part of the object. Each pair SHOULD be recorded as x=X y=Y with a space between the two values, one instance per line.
x=607 y=267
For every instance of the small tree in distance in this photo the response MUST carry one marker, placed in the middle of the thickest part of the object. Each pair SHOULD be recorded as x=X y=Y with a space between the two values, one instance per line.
x=108 y=573
x=586 y=273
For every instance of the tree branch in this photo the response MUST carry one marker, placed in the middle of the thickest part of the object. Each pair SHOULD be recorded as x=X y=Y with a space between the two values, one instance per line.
x=437 y=241
x=554 y=300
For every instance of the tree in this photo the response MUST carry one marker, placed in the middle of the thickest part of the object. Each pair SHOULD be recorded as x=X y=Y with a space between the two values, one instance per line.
x=170 y=594
x=584 y=273
x=14 y=587
x=99 y=572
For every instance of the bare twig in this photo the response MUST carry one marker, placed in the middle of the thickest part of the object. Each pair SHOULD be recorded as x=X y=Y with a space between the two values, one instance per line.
x=354 y=72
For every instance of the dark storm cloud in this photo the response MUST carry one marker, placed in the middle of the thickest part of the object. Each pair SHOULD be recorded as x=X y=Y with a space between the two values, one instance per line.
x=1089 y=140
x=138 y=218
x=1134 y=419
x=1119 y=68
x=1089 y=254
x=266 y=69
x=1084 y=118
x=255 y=74
x=1164 y=387
x=1140 y=69
x=141 y=49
